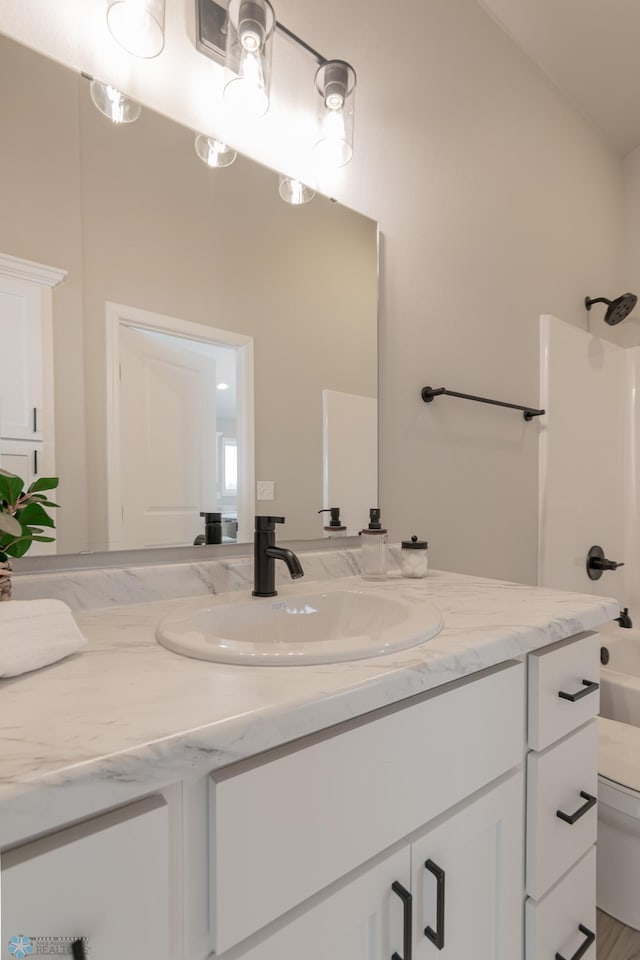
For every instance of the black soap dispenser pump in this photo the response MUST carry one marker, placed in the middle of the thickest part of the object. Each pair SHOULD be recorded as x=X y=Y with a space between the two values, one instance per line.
x=335 y=528
x=374 y=548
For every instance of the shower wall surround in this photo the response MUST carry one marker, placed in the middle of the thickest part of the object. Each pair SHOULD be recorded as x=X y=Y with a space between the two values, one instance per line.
x=588 y=460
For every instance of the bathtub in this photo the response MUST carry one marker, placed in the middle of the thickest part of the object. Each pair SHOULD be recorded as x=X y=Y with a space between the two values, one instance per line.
x=620 y=678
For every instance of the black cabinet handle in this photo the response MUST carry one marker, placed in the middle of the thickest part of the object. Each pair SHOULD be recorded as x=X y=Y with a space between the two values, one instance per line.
x=35 y=420
x=35 y=461
x=582 y=949
x=580 y=812
x=437 y=936
x=590 y=686
x=77 y=950
x=407 y=907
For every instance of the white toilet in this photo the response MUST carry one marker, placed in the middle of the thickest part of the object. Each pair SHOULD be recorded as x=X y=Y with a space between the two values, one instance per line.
x=618 y=892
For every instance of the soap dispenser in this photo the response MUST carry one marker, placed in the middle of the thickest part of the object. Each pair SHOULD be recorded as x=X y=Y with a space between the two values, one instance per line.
x=374 y=548
x=335 y=528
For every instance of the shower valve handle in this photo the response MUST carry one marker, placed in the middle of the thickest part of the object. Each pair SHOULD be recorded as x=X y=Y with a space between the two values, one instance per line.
x=597 y=563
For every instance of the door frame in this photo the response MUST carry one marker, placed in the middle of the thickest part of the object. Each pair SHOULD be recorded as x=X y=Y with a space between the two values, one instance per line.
x=118 y=315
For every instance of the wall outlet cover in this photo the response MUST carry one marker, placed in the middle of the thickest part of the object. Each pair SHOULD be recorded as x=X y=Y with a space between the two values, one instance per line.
x=265 y=490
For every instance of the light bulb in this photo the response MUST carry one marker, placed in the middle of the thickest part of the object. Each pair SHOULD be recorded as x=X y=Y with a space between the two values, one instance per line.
x=250 y=27
x=294 y=191
x=138 y=26
x=246 y=93
x=214 y=152
x=333 y=148
x=335 y=82
x=113 y=103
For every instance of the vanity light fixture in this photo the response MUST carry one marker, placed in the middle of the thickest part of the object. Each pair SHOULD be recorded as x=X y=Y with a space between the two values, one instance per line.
x=294 y=191
x=250 y=28
x=335 y=84
x=138 y=26
x=239 y=38
x=113 y=103
x=214 y=152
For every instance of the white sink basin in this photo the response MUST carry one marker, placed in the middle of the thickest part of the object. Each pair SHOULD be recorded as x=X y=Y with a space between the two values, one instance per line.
x=322 y=626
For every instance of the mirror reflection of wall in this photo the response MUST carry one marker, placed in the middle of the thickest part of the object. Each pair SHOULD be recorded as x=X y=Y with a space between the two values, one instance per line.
x=135 y=218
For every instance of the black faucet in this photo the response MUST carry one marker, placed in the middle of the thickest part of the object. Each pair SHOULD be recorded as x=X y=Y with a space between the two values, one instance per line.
x=266 y=553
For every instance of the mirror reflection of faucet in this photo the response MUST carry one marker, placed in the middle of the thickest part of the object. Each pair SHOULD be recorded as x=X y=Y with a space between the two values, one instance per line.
x=212 y=529
x=265 y=553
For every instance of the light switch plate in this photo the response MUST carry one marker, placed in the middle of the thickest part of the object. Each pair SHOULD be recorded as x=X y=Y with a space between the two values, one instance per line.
x=265 y=490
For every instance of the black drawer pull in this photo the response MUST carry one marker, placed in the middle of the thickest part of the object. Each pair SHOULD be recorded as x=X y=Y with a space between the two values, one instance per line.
x=580 y=812
x=407 y=908
x=582 y=949
x=590 y=686
x=437 y=936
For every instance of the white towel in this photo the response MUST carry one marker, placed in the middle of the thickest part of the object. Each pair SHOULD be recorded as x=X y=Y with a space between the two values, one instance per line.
x=34 y=633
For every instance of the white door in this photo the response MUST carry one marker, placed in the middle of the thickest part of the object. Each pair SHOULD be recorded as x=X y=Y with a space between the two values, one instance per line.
x=167 y=440
x=468 y=880
x=363 y=919
x=21 y=374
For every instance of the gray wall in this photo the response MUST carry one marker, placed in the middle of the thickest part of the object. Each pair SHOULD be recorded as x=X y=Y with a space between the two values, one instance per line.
x=497 y=202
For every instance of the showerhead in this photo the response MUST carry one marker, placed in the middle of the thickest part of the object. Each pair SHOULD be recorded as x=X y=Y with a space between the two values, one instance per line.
x=617 y=310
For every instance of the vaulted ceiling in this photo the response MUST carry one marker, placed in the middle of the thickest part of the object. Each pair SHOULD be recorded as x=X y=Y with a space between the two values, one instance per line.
x=590 y=49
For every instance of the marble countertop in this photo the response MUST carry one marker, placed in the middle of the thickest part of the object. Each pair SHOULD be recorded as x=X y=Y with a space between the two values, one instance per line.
x=128 y=711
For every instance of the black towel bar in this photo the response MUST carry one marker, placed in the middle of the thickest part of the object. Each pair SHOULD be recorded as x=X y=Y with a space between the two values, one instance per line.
x=428 y=394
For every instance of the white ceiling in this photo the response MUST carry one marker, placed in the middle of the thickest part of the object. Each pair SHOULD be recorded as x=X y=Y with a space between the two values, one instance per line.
x=590 y=49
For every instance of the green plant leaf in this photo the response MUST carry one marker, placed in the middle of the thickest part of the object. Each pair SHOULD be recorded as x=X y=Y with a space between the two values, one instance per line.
x=10 y=525
x=44 y=539
x=10 y=487
x=39 y=498
x=34 y=514
x=43 y=483
x=20 y=547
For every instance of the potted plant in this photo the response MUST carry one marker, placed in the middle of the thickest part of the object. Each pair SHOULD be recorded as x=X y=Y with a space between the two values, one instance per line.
x=23 y=520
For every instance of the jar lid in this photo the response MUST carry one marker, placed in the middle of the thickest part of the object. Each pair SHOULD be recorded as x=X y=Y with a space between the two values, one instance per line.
x=368 y=531
x=414 y=544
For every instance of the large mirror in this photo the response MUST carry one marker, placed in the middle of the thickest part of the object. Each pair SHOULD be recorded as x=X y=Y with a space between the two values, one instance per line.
x=181 y=280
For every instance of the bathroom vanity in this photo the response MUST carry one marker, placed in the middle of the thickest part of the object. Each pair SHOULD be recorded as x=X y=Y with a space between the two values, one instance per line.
x=393 y=807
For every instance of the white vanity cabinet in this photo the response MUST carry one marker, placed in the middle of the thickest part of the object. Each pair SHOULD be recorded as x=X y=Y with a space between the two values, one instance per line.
x=399 y=833
x=105 y=880
x=562 y=781
x=286 y=827
x=468 y=903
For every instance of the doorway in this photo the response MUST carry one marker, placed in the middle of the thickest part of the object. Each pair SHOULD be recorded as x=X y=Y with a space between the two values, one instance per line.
x=174 y=389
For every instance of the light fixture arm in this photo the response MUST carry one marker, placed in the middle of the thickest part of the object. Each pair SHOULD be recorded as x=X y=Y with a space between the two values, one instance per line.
x=301 y=43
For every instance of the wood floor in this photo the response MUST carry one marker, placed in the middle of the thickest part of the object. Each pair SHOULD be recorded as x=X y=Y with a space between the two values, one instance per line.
x=615 y=941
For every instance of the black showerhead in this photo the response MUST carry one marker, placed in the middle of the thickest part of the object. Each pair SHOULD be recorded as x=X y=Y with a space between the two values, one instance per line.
x=617 y=310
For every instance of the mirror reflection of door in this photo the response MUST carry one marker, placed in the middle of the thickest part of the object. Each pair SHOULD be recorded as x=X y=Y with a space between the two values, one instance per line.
x=180 y=398
x=168 y=438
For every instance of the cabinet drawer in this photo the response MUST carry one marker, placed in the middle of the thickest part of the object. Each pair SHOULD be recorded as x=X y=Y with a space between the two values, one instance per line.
x=282 y=830
x=556 y=781
x=563 y=688
x=106 y=879
x=565 y=920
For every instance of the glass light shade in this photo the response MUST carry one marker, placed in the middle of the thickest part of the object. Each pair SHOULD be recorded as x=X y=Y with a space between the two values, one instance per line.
x=250 y=29
x=115 y=105
x=214 y=152
x=138 y=26
x=335 y=107
x=294 y=191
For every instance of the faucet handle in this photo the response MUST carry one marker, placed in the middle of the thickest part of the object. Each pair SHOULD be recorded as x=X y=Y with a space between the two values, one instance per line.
x=267 y=524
